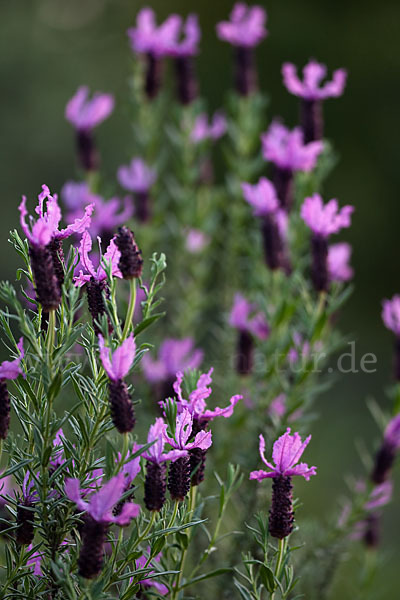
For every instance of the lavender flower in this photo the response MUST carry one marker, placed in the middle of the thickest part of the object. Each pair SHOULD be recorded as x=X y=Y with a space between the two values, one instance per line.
x=117 y=367
x=196 y=241
x=391 y=319
x=95 y=279
x=8 y=370
x=286 y=455
x=248 y=328
x=312 y=93
x=85 y=115
x=108 y=214
x=287 y=150
x=35 y=561
x=155 y=482
x=245 y=30
x=25 y=514
x=138 y=177
x=141 y=563
x=264 y=200
x=174 y=355
x=130 y=468
x=97 y=519
x=323 y=220
x=154 y=42
x=386 y=454
x=45 y=237
x=338 y=262
x=131 y=262
x=277 y=407
x=179 y=472
x=196 y=405
x=205 y=130
x=183 y=51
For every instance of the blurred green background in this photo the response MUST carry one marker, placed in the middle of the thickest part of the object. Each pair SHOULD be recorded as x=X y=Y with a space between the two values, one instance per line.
x=49 y=47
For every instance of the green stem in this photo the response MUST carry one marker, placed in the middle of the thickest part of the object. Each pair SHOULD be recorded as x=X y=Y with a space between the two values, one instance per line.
x=279 y=561
x=51 y=332
x=131 y=309
x=124 y=452
x=191 y=507
x=173 y=516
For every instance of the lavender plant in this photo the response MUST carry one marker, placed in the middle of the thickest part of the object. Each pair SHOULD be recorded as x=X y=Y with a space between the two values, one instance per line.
x=116 y=482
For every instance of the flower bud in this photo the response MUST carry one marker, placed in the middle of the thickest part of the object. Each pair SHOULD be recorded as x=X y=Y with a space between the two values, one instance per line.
x=155 y=485
x=281 y=516
x=131 y=262
x=179 y=478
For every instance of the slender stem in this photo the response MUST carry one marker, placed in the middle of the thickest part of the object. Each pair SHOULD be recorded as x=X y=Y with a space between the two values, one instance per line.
x=175 y=512
x=131 y=309
x=51 y=332
x=191 y=507
x=280 y=557
x=124 y=452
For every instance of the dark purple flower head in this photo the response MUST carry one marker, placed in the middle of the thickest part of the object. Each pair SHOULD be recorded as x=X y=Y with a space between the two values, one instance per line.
x=156 y=454
x=286 y=454
x=100 y=504
x=338 y=262
x=147 y=38
x=391 y=314
x=118 y=366
x=240 y=318
x=45 y=228
x=325 y=219
x=141 y=563
x=246 y=27
x=196 y=404
x=174 y=355
x=85 y=114
x=11 y=369
x=392 y=433
x=183 y=432
x=287 y=150
x=310 y=88
x=205 y=130
x=112 y=255
x=137 y=176
x=189 y=44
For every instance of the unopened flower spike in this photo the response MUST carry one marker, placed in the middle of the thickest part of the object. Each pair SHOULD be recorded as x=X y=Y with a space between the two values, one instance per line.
x=312 y=93
x=95 y=279
x=138 y=177
x=323 y=220
x=9 y=370
x=245 y=30
x=153 y=42
x=196 y=405
x=391 y=320
x=131 y=262
x=85 y=114
x=387 y=452
x=156 y=466
x=182 y=50
x=289 y=153
x=286 y=454
x=179 y=477
x=265 y=203
x=99 y=515
x=117 y=367
x=249 y=325
x=174 y=355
